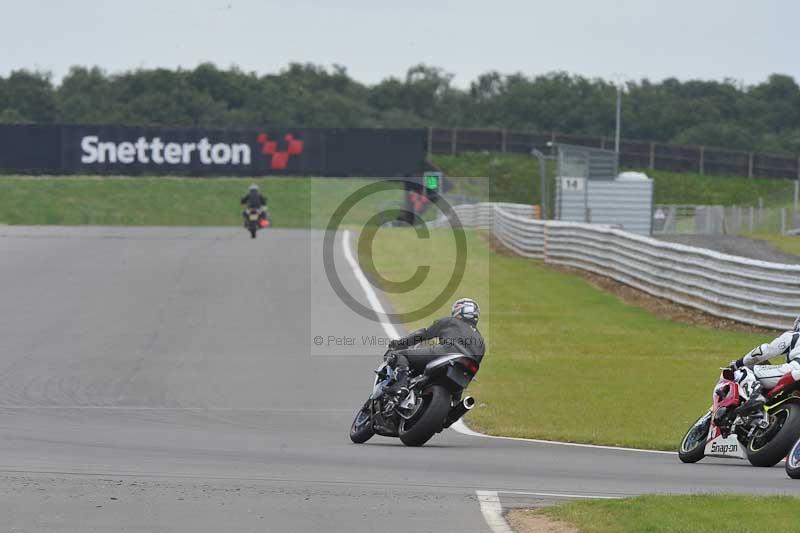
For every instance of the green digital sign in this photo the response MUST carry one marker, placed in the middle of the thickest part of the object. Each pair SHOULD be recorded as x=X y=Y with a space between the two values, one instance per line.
x=432 y=180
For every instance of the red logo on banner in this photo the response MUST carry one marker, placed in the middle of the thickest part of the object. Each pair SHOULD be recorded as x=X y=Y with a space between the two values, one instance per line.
x=280 y=158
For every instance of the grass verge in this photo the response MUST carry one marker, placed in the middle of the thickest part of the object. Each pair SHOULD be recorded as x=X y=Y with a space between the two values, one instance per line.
x=786 y=243
x=565 y=361
x=294 y=202
x=690 y=514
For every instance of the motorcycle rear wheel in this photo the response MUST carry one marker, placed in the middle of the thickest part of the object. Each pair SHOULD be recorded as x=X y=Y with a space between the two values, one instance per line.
x=693 y=445
x=770 y=453
x=361 y=429
x=429 y=420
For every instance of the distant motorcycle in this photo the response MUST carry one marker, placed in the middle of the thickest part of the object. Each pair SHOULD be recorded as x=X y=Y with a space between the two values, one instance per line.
x=730 y=430
x=432 y=404
x=257 y=218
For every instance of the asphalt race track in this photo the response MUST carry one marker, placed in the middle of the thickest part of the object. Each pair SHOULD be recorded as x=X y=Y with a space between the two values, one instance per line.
x=166 y=379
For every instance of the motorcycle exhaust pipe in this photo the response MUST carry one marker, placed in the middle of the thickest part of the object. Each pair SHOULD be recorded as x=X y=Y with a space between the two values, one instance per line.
x=459 y=410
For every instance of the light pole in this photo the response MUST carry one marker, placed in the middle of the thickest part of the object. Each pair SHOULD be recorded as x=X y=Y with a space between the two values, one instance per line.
x=542 y=179
x=619 y=118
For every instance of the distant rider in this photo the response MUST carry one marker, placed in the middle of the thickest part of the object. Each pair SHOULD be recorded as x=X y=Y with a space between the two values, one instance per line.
x=253 y=200
x=457 y=333
x=756 y=378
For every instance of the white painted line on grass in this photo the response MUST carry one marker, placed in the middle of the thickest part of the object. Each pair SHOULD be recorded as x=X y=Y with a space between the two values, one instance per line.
x=559 y=495
x=366 y=286
x=492 y=511
x=462 y=428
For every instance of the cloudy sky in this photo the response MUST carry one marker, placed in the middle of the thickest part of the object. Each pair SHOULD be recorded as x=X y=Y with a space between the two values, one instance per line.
x=710 y=39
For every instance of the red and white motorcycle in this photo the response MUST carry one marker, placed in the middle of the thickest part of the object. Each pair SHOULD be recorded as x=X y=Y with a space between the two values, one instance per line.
x=730 y=429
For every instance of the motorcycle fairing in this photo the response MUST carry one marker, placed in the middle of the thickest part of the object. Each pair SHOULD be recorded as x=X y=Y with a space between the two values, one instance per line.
x=725 y=447
x=726 y=396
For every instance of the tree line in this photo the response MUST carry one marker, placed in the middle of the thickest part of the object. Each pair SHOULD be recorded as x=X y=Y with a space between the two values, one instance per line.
x=763 y=117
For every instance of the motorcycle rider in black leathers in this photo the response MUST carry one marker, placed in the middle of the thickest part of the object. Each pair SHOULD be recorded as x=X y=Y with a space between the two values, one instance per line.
x=756 y=378
x=457 y=333
x=252 y=200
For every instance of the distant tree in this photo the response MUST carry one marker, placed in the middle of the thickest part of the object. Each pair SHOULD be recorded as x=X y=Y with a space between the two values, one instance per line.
x=85 y=96
x=12 y=116
x=765 y=116
x=424 y=88
x=775 y=104
x=31 y=94
x=726 y=134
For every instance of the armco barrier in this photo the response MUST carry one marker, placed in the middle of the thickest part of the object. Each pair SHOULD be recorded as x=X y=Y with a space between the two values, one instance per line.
x=746 y=290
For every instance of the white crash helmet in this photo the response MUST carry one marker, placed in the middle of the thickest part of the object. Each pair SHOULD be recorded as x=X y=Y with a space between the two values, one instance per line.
x=253 y=187
x=466 y=309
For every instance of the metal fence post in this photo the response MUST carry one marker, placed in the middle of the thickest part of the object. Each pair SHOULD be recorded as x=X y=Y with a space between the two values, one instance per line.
x=453 y=140
x=702 y=159
x=542 y=181
x=738 y=219
x=796 y=193
x=750 y=164
x=783 y=221
x=760 y=219
x=752 y=217
x=503 y=140
x=603 y=142
x=652 y=155
x=430 y=139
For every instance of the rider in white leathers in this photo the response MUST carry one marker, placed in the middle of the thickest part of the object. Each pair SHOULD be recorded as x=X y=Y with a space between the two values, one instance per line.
x=772 y=378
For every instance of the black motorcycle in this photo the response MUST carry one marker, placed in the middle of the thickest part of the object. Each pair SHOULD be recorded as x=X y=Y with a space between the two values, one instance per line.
x=256 y=219
x=433 y=402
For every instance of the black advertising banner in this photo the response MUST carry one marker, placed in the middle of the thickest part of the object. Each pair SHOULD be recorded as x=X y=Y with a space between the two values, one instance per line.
x=30 y=149
x=204 y=152
x=376 y=153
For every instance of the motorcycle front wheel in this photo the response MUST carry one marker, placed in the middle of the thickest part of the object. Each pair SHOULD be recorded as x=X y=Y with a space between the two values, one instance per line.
x=693 y=445
x=793 y=461
x=428 y=419
x=769 y=446
x=361 y=429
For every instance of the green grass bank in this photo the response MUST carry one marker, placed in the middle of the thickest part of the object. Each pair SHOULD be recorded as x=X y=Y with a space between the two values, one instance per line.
x=162 y=201
x=678 y=514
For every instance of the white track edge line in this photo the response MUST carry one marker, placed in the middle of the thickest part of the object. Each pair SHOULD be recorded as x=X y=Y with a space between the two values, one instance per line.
x=560 y=495
x=460 y=427
x=373 y=299
x=492 y=511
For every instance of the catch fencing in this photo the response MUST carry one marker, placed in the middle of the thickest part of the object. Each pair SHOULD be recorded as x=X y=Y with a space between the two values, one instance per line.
x=737 y=288
x=632 y=153
x=724 y=220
